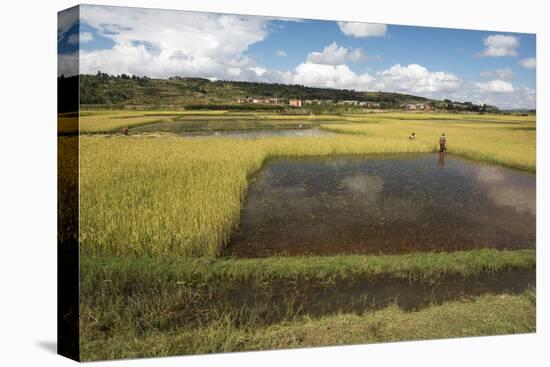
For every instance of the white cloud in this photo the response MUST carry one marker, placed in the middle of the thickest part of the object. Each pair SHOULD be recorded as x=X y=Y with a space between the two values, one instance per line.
x=415 y=78
x=65 y=20
x=529 y=63
x=328 y=76
x=501 y=45
x=85 y=37
x=505 y=73
x=495 y=86
x=280 y=53
x=336 y=55
x=67 y=64
x=73 y=39
x=358 y=30
x=520 y=97
x=163 y=43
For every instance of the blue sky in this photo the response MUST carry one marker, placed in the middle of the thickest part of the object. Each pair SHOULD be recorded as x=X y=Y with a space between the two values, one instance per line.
x=480 y=66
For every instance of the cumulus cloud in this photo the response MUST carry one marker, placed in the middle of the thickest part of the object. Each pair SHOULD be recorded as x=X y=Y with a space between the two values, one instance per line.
x=73 y=39
x=67 y=64
x=358 y=30
x=162 y=43
x=328 y=76
x=495 y=86
x=529 y=63
x=416 y=78
x=505 y=73
x=501 y=45
x=520 y=97
x=65 y=20
x=336 y=55
x=84 y=37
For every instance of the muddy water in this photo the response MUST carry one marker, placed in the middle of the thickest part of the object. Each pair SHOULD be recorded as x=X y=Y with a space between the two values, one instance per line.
x=282 y=299
x=384 y=205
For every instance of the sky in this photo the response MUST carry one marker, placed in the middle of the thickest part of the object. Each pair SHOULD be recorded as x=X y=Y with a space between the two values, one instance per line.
x=497 y=68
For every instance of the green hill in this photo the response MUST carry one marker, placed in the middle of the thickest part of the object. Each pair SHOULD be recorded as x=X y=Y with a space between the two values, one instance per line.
x=124 y=91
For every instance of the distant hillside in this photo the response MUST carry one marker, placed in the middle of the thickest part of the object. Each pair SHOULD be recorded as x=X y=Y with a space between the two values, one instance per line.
x=103 y=90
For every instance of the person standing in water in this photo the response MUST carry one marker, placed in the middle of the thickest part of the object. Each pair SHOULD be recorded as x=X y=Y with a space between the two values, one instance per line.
x=442 y=144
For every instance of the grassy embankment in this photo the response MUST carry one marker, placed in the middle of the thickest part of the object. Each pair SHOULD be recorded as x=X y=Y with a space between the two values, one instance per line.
x=151 y=205
x=188 y=305
x=485 y=315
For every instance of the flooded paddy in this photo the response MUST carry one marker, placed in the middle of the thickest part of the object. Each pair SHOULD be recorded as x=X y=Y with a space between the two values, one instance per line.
x=255 y=134
x=384 y=204
x=242 y=129
x=279 y=299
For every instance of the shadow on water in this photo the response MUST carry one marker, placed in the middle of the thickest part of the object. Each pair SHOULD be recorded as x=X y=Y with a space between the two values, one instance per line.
x=384 y=205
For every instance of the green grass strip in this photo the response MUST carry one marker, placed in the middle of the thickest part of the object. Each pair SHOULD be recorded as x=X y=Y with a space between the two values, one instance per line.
x=417 y=266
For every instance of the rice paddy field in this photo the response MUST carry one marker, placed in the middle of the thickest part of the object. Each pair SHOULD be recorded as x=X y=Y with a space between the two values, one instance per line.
x=157 y=209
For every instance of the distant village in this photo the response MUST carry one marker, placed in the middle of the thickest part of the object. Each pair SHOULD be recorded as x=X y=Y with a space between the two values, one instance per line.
x=413 y=107
x=297 y=102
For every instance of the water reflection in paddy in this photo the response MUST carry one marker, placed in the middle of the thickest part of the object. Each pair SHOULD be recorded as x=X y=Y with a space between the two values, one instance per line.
x=255 y=134
x=241 y=129
x=384 y=204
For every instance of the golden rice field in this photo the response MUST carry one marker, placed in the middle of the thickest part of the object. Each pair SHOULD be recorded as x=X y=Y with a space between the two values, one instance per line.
x=176 y=195
x=503 y=143
x=112 y=121
x=458 y=117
